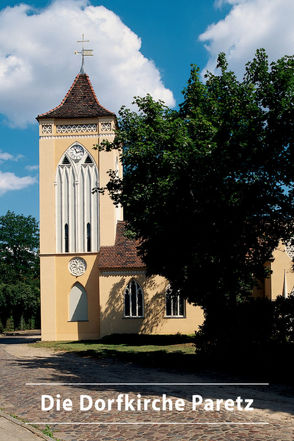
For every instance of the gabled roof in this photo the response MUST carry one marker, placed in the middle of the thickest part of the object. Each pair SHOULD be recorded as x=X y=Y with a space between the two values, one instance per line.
x=79 y=102
x=123 y=254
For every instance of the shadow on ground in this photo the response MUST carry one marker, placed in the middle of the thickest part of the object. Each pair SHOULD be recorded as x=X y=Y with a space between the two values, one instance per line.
x=69 y=367
x=16 y=340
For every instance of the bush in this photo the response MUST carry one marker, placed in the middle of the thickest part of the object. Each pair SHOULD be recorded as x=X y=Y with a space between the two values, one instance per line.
x=19 y=305
x=283 y=320
x=9 y=324
x=240 y=324
x=256 y=336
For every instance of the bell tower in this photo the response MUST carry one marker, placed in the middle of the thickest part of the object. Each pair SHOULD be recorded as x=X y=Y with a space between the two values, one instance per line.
x=74 y=222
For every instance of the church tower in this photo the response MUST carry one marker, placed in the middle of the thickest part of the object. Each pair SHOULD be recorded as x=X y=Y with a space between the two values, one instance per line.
x=74 y=222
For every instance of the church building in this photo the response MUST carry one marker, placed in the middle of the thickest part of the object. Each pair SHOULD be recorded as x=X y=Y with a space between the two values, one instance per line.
x=92 y=281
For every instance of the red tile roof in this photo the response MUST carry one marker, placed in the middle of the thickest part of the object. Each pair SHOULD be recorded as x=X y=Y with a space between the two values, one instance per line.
x=123 y=254
x=79 y=102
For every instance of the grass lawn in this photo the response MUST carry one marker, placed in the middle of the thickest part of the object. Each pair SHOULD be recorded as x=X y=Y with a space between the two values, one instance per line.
x=149 y=350
x=177 y=353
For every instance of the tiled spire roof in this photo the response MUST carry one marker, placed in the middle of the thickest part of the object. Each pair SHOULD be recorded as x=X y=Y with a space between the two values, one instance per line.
x=79 y=102
x=123 y=254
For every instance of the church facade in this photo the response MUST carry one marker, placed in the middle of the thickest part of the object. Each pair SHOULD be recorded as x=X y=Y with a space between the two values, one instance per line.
x=92 y=281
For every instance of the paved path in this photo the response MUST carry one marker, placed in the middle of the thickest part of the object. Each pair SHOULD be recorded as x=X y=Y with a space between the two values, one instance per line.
x=20 y=364
x=13 y=430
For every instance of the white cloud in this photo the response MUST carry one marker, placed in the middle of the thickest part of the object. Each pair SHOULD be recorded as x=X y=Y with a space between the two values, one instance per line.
x=9 y=181
x=32 y=167
x=4 y=156
x=220 y=3
x=250 y=25
x=38 y=65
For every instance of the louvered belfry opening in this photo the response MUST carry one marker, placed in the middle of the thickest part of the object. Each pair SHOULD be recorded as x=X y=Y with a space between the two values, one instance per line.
x=76 y=205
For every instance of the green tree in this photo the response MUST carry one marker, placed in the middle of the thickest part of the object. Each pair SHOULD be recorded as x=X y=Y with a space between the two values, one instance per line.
x=208 y=189
x=19 y=242
x=19 y=269
x=21 y=302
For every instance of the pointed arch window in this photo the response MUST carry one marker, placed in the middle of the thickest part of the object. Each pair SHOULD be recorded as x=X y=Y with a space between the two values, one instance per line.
x=78 y=304
x=174 y=304
x=77 y=217
x=133 y=300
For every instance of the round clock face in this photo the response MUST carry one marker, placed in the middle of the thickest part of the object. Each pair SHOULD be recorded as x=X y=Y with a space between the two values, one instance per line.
x=76 y=152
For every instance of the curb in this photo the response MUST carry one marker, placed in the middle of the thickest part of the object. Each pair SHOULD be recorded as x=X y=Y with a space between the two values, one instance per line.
x=25 y=426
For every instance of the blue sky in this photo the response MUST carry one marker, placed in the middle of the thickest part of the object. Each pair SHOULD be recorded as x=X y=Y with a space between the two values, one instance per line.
x=139 y=46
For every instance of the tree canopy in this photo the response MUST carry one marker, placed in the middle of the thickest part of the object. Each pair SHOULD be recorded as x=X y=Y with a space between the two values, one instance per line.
x=208 y=188
x=19 y=243
x=19 y=271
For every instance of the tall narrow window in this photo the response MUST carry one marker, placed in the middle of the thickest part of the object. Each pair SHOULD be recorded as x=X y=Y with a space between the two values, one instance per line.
x=66 y=239
x=88 y=236
x=174 y=304
x=133 y=300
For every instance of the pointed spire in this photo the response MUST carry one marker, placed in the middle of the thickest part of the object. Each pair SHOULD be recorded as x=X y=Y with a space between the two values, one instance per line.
x=285 y=287
x=79 y=102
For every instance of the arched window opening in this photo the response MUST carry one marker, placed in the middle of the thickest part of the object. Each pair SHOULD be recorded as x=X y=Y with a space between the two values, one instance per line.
x=78 y=304
x=88 y=160
x=66 y=239
x=133 y=300
x=174 y=304
x=88 y=237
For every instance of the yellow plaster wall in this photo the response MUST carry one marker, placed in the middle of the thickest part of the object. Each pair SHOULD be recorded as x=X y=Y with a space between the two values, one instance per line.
x=112 y=286
x=47 y=196
x=108 y=212
x=281 y=262
x=107 y=209
x=48 y=297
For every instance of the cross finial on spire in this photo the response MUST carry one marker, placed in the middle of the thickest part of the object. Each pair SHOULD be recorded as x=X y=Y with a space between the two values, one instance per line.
x=84 y=52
